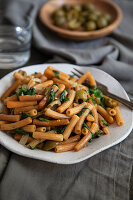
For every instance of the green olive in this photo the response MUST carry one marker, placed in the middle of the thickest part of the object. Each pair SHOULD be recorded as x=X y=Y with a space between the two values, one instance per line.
x=110 y=103
x=81 y=96
x=74 y=24
x=67 y=7
x=91 y=26
x=92 y=17
x=82 y=20
x=96 y=12
x=102 y=22
x=59 y=21
x=88 y=6
x=59 y=13
x=72 y=14
x=50 y=145
x=107 y=17
x=77 y=7
x=84 y=14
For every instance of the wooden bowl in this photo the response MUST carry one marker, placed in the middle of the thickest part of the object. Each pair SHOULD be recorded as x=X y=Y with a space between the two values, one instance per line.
x=104 y=6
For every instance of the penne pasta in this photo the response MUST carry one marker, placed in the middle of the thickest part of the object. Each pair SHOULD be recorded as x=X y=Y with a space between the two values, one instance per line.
x=10 y=118
x=18 y=124
x=25 y=109
x=11 y=89
x=81 y=120
x=111 y=111
x=66 y=104
x=50 y=135
x=18 y=104
x=86 y=138
x=29 y=128
x=70 y=127
x=118 y=116
x=53 y=114
x=75 y=110
x=58 y=122
x=65 y=147
x=104 y=114
x=35 y=97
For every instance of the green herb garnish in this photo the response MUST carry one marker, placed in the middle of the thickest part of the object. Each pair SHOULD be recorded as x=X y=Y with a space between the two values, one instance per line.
x=63 y=97
x=85 y=125
x=97 y=134
x=102 y=102
x=50 y=88
x=20 y=131
x=17 y=96
x=52 y=95
x=90 y=140
x=24 y=91
x=25 y=115
x=43 y=119
x=56 y=73
x=62 y=130
x=86 y=84
x=81 y=112
x=104 y=122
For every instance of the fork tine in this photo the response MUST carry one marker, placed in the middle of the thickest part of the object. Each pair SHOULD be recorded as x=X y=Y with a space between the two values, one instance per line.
x=78 y=71
x=76 y=74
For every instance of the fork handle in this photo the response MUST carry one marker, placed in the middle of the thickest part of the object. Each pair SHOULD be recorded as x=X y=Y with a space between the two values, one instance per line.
x=123 y=101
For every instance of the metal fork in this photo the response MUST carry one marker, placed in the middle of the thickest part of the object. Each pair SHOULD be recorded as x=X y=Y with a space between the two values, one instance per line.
x=105 y=91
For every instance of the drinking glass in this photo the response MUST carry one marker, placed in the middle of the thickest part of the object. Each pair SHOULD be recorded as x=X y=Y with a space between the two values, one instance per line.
x=15 y=41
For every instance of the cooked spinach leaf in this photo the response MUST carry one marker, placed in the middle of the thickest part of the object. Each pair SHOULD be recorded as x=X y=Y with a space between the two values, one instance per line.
x=43 y=119
x=104 y=122
x=63 y=97
x=52 y=95
x=85 y=125
x=56 y=73
x=81 y=112
x=20 y=131
x=25 y=115
x=24 y=91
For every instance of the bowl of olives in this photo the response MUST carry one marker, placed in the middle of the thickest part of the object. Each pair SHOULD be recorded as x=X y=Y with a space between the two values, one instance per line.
x=81 y=19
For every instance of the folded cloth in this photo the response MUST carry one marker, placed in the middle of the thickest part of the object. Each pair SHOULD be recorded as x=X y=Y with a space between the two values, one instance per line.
x=104 y=176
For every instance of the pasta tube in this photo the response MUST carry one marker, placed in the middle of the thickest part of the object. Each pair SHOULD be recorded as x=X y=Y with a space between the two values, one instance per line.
x=111 y=111
x=18 y=104
x=86 y=138
x=80 y=122
x=58 y=122
x=70 y=127
x=66 y=104
x=65 y=147
x=75 y=110
x=11 y=89
x=50 y=135
x=24 y=109
x=104 y=114
x=53 y=114
x=18 y=124
x=29 y=128
x=10 y=118
x=118 y=116
x=35 y=97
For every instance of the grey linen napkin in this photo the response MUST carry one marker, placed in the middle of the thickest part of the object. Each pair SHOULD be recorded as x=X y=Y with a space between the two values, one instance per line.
x=104 y=176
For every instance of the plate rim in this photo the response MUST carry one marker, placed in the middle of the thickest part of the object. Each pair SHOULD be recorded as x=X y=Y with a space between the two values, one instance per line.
x=80 y=159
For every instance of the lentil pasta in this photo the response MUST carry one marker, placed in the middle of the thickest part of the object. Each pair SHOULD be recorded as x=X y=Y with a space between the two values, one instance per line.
x=55 y=111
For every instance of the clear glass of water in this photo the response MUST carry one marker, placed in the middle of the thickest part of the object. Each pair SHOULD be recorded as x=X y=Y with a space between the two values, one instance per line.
x=15 y=42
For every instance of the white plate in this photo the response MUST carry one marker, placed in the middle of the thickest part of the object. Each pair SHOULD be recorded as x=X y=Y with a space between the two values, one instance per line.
x=117 y=134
